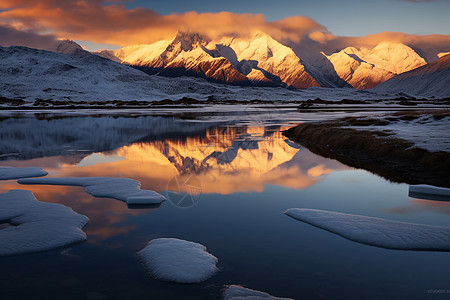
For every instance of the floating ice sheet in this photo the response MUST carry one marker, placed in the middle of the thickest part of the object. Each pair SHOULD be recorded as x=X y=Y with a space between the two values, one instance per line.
x=375 y=231
x=177 y=260
x=237 y=292
x=123 y=189
x=417 y=190
x=37 y=226
x=15 y=173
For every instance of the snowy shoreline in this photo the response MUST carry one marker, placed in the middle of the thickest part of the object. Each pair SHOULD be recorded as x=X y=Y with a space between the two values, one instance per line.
x=411 y=146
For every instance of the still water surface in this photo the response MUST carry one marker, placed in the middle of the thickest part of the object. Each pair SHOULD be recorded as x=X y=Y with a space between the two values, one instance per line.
x=228 y=184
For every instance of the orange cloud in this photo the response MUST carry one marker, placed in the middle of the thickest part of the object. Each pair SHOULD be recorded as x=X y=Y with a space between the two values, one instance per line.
x=114 y=24
x=110 y=22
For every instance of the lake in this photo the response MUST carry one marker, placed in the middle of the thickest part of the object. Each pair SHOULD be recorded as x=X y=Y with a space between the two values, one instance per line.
x=228 y=174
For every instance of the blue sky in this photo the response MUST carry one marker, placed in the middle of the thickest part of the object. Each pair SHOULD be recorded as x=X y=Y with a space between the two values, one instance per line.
x=341 y=17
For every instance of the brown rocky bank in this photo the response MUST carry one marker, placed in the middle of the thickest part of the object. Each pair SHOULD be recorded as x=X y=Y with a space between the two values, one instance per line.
x=376 y=151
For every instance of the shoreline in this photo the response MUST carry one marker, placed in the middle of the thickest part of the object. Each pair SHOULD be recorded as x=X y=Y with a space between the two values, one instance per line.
x=378 y=151
x=188 y=102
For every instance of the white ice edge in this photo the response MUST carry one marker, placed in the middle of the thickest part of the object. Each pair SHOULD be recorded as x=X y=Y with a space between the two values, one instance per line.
x=237 y=292
x=178 y=260
x=37 y=226
x=375 y=231
x=7 y=173
x=123 y=189
x=429 y=189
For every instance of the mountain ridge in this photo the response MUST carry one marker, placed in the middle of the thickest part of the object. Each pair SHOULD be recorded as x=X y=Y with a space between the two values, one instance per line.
x=260 y=60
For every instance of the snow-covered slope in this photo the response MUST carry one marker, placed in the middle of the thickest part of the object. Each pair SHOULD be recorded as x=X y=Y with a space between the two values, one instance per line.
x=431 y=80
x=142 y=55
x=258 y=60
x=364 y=68
x=32 y=74
x=262 y=53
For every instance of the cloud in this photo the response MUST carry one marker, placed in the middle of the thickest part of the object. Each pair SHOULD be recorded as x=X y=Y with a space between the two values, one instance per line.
x=10 y=36
x=110 y=22
x=100 y=21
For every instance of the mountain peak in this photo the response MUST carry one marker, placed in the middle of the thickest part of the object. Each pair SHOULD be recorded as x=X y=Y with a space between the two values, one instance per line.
x=260 y=34
x=69 y=47
x=189 y=41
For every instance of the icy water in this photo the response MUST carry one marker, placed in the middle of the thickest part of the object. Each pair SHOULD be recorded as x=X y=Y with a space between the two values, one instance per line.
x=228 y=178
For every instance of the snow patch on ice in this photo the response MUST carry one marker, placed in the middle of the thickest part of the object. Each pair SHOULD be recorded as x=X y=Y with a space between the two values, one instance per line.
x=375 y=231
x=178 y=260
x=37 y=226
x=15 y=173
x=237 y=292
x=429 y=192
x=429 y=189
x=123 y=189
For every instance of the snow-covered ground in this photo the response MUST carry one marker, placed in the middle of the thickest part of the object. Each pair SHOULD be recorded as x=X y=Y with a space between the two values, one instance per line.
x=375 y=231
x=178 y=260
x=425 y=131
x=37 y=226
x=123 y=189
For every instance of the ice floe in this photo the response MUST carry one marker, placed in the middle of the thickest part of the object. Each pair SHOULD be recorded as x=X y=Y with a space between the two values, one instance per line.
x=123 y=189
x=375 y=231
x=237 y=292
x=15 y=173
x=37 y=226
x=429 y=189
x=178 y=260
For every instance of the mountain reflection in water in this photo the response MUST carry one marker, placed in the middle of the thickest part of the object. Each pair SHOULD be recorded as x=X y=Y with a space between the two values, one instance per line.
x=220 y=160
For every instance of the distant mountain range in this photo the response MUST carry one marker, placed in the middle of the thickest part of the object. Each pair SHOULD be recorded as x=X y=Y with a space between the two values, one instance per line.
x=33 y=74
x=256 y=68
x=262 y=61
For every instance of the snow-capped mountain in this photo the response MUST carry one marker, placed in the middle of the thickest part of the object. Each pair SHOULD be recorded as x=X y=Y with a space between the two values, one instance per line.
x=430 y=80
x=32 y=74
x=259 y=60
x=364 y=68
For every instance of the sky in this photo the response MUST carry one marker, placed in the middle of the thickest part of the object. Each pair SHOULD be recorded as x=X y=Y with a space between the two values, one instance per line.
x=341 y=17
x=110 y=24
